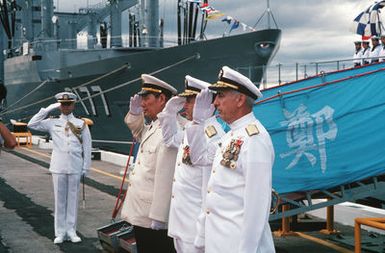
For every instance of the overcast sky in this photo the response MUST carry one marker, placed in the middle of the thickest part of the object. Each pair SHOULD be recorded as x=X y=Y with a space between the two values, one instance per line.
x=312 y=30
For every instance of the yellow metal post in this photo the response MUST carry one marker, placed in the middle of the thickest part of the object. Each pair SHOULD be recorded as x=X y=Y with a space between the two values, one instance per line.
x=285 y=228
x=329 y=221
x=357 y=237
x=370 y=222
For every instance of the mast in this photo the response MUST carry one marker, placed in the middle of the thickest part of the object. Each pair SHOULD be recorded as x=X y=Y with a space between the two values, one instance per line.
x=179 y=23
x=268 y=14
x=190 y=20
x=150 y=8
x=116 y=24
x=46 y=18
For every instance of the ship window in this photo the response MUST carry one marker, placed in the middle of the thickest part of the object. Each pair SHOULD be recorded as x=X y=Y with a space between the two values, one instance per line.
x=36 y=57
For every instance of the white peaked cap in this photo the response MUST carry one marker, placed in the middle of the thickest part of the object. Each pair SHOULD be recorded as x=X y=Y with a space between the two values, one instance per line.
x=151 y=84
x=193 y=86
x=65 y=97
x=231 y=79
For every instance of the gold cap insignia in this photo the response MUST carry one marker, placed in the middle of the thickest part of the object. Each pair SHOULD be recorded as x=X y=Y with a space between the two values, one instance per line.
x=210 y=131
x=252 y=129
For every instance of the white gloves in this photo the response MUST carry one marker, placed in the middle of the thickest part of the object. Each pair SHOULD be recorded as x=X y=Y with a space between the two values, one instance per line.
x=52 y=107
x=157 y=225
x=174 y=105
x=135 y=107
x=84 y=172
x=203 y=108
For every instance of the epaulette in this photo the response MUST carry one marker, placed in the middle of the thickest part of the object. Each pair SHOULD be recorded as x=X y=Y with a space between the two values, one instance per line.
x=54 y=117
x=210 y=131
x=252 y=129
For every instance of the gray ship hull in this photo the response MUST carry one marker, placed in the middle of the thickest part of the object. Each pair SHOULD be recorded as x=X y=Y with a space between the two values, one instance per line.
x=102 y=78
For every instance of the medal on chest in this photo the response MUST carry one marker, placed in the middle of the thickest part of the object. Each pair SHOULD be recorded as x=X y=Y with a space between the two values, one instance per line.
x=186 y=155
x=230 y=156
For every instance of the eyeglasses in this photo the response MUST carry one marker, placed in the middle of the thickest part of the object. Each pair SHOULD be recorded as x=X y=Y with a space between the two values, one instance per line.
x=66 y=103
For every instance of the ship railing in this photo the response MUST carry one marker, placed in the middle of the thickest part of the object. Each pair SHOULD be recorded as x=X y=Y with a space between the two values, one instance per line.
x=79 y=43
x=94 y=7
x=281 y=73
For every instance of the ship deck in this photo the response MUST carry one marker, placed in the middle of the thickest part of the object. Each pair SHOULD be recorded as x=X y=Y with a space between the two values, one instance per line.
x=26 y=207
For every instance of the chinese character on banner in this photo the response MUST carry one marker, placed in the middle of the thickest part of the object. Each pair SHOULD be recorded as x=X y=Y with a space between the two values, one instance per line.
x=300 y=135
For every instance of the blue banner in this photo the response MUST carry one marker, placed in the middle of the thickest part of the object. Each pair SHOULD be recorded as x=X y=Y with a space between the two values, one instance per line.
x=327 y=135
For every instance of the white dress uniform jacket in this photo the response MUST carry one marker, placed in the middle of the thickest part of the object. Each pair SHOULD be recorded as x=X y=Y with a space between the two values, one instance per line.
x=365 y=55
x=149 y=187
x=382 y=53
x=238 y=198
x=69 y=156
x=374 y=52
x=357 y=57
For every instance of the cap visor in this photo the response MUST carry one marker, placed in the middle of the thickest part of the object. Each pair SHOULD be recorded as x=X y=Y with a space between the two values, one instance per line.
x=65 y=100
x=143 y=92
x=187 y=94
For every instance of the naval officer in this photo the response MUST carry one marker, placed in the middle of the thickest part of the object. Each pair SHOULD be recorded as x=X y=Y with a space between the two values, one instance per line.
x=147 y=201
x=375 y=51
x=189 y=180
x=357 y=56
x=382 y=51
x=365 y=52
x=71 y=158
x=239 y=189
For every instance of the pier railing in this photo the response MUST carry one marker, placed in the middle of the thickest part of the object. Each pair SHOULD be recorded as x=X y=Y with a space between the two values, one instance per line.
x=280 y=73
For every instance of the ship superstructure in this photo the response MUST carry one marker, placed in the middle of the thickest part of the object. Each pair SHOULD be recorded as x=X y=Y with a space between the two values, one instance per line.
x=43 y=57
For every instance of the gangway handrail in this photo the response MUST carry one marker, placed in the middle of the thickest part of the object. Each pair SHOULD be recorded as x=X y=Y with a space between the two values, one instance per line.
x=370 y=187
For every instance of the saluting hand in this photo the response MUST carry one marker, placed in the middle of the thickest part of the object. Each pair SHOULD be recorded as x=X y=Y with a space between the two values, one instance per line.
x=203 y=107
x=174 y=105
x=135 y=105
x=52 y=107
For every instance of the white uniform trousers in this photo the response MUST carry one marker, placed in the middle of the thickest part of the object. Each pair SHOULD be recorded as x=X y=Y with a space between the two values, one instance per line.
x=66 y=190
x=186 y=247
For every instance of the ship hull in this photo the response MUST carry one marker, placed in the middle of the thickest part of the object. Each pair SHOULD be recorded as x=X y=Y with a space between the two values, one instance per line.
x=105 y=84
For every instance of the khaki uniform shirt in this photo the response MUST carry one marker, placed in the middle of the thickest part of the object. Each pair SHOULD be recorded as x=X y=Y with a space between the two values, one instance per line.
x=149 y=185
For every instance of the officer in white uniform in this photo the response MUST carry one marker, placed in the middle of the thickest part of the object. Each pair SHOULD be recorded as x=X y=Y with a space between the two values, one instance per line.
x=71 y=158
x=148 y=196
x=376 y=48
x=382 y=51
x=189 y=180
x=365 y=52
x=357 y=54
x=204 y=138
x=239 y=189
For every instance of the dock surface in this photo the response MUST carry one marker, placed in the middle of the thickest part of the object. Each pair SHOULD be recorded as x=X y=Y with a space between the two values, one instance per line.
x=26 y=208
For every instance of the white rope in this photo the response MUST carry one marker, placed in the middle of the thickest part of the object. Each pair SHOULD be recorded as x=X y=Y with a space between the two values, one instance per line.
x=108 y=90
x=6 y=110
x=137 y=79
x=26 y=95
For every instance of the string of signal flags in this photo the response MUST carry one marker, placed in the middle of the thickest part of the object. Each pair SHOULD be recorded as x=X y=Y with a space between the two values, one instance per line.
x=214 y=14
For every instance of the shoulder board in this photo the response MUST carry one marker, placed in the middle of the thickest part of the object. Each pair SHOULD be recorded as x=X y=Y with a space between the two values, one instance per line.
x=252 y=129
x=210 y=131
x=54 y=117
